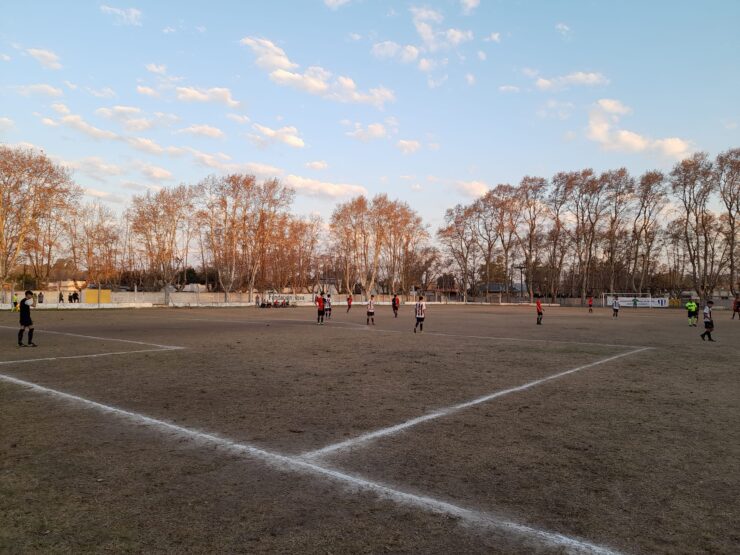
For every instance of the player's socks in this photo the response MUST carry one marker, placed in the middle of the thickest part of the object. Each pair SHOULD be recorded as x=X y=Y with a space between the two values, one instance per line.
x=20 y=337
x=30 y=337
x=421 y=327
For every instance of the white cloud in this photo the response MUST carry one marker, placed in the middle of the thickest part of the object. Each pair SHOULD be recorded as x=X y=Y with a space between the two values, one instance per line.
x=408 y=146
x=556 y=109
x=71 y=86
x=5 y=58
x=287 y=135
x=563 y=29
x=128 y=16
x=355 y=36
x=46 y=58
x=269 y=56
x=105 y=195
x=416 y=187
x=146 y=145
x=315 y=188
x=60 y=108
x=468 y=6
x=586 y=79
x=41 y=88
x=473 y=189
x=105 y=92
x=493 y=37
x=470 y=79
x=159 y=69
x=317 y=165
x=203 y=131
x=238 y=118
x=336 y=4
x=315 y=80
x=146 y=91
x=369 y=133
x=132 y=119
x=6 y=124
x=391 y=50
x=425 y=20
x=132 y=186
x=95 y=167
x=200 y=28
x=435 y=83
x=154 y=173
x=434 y=146
x=426 y=64
x=603 y=121
x=482 y=56
x=77 y=122
x=508 y=89
x=215 y=94
x=167 y=30
x=611 y=106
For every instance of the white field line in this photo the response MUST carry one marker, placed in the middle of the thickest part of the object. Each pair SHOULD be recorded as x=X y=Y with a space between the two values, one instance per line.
x=283 y=462
x=375 y=330
x=391 y=430
x=166 y=347
x=45 y=359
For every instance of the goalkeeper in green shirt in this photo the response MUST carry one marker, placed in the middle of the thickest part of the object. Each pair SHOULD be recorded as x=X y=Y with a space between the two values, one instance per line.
x=693 y=309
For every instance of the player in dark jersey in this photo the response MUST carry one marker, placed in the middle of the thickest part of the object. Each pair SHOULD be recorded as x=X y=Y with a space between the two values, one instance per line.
x=395 y=302
x=26 y=322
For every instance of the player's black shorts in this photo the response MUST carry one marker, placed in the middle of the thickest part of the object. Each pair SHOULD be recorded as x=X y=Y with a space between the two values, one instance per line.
x=371 y=313
x=26 y=322
x=420 y=319
x=693 y=313
x=709 y=324
x=321 y=312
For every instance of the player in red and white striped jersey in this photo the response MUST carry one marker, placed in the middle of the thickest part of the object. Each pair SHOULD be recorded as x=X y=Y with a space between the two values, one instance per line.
x=371 y=310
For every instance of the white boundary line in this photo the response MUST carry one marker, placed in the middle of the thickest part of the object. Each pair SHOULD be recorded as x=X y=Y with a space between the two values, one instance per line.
x=470 y=516
x=375 y=330
x=45 y=359
x=163 y=347
x=391 y=430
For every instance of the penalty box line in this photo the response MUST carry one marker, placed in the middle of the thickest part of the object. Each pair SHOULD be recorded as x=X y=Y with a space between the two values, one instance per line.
x=392 y=430
x=298 y=465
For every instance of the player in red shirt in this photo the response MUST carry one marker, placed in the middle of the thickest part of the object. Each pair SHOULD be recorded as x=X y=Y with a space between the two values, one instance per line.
x=539 y=312
x=395 y=302
x=590 y=305
x=320 y=305
x=349 y=302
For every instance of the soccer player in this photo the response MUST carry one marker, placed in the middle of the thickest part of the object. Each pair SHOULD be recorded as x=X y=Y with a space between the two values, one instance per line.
x=371 y=310
x=327 y=309
x=395 y=302
x=421 y=312
x=15 y=302
x=736 y=307
x=615 y=307
x=590 y=305
x=25 y=307
x=708 y=322
x=349 y=302
x=539 y=312
x=693 y=311
x=320 y=305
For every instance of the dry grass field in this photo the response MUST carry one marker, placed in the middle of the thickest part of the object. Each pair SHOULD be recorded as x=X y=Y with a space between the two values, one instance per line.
x=257 y=431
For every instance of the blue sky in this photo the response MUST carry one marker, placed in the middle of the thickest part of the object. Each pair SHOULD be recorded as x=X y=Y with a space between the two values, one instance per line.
x=429 y=102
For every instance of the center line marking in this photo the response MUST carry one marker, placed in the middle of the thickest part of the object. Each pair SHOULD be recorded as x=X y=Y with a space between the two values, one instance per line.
x=391 y=430
x=281 y=462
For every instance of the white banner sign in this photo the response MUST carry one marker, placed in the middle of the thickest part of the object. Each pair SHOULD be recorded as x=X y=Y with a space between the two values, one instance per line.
x=638 y=302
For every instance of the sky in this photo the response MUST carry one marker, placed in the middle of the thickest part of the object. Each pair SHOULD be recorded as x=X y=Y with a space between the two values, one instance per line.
x=432 y=102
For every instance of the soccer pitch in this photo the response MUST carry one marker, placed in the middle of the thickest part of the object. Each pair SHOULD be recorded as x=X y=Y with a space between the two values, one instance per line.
x=245 y=430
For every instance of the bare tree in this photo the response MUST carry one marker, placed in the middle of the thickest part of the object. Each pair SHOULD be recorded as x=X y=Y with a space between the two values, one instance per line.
x=727 y=176
x=531 y=195
x=650 y=202
x=458 y=238
x=161 y=223
x=32 y=188
x=619 y=189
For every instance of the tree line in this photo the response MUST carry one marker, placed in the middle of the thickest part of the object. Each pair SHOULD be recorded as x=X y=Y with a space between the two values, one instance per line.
x=575 y=234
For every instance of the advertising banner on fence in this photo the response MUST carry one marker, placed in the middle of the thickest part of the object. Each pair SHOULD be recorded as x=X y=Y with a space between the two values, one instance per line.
x=638 y=302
